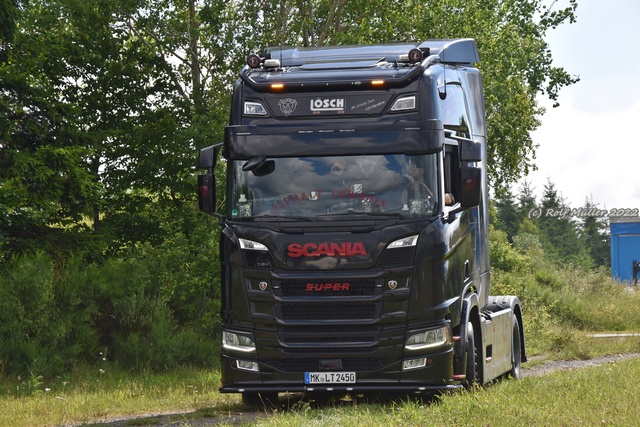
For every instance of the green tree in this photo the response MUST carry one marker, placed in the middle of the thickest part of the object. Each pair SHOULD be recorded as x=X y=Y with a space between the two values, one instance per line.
x=559 y=230
x=516 y=61
x=131 y=89
x=508 y=216
x=594 y=233
x=45 y=186
x=104 y=106
x=8 y=16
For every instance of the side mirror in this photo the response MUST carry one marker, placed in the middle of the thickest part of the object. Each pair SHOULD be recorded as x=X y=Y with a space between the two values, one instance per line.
x=470 y=192
x=470 y=151
x=206 y=181
x=471 y=186
x=207 y=158
x=206 y=192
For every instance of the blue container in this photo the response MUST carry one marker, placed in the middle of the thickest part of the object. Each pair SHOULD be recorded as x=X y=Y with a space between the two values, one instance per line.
x=625 y=248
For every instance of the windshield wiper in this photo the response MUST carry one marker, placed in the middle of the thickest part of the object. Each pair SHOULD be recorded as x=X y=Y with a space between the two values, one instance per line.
x=353 y=212
x=283 y=218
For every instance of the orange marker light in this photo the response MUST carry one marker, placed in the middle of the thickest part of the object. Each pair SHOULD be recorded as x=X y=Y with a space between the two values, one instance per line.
x=277 y=86
x=377 y=82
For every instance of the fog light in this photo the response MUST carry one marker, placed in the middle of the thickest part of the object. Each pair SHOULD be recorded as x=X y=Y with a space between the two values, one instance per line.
x=247 y=365
x=428 y=339
x=414 y=363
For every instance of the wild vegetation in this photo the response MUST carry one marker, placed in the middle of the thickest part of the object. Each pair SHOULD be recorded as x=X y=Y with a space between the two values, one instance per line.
x=104 y=105
x=109 y=282
x=147 y=361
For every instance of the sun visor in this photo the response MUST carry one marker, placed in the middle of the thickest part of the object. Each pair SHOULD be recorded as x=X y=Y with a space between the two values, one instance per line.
x=243 y=142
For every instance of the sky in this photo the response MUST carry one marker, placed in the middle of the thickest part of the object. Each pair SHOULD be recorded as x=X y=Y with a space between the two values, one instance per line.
x=589 y=146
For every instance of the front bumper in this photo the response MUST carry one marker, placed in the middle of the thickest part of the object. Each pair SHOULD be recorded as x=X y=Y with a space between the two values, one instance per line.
x=437 y=375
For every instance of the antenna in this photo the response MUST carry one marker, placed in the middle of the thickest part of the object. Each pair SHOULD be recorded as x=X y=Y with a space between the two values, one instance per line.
x=282 y=24
x=443 y=95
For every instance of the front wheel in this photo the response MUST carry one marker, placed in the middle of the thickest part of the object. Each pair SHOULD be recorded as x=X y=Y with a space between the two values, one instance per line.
x=472 y=357
x=516 y=350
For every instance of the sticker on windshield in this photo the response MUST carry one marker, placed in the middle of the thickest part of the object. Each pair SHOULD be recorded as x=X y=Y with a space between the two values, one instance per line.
x=356 y=189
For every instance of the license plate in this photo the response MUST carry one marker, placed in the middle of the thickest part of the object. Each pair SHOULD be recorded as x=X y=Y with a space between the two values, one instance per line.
x=329 y=377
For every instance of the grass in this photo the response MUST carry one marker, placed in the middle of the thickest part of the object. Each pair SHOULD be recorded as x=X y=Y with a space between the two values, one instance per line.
x=604 y=395
x=92 y=396
x=593 y=396
x=562 y=308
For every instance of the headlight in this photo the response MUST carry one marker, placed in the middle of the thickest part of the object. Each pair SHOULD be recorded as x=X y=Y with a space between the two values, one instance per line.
x=428 y=339
x=250 y=244
x=238 y=342
x=403 y=243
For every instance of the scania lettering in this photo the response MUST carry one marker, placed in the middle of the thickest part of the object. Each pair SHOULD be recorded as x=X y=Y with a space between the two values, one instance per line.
x=354 y=247
x=331 y=249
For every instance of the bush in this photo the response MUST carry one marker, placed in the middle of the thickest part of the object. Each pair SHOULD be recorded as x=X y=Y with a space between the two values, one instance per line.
x=44 y=327
x=154 y=309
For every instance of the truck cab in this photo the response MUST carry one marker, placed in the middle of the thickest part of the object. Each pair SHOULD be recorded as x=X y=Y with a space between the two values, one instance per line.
x=354 y=244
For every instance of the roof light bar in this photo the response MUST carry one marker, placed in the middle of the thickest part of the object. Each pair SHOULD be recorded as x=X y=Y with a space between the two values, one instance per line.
x=271 y=63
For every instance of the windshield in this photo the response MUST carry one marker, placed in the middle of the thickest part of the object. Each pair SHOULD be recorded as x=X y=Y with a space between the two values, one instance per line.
x=311 y=187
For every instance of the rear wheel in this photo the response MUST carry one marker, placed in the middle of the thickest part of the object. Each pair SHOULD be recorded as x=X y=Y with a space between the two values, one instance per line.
x=516 y=350
x=472 y=357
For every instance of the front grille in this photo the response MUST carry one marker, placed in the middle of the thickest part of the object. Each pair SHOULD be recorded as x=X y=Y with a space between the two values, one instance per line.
x=328 y=287
x=313 y=365
x=329 y=339
x=328 y=329
x=328 y=311
x=398 y=257
x=329 y=334
x=330 y=350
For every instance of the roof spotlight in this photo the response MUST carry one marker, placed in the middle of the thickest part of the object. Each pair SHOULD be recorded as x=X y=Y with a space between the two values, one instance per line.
x=253 y=61
x=415 y=55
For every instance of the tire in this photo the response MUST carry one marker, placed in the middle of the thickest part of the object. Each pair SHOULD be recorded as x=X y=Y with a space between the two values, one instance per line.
x=260 y=400
x=516 y=350
x=471 y=356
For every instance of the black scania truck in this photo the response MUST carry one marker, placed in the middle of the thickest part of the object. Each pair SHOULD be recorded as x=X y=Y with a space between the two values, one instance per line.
x=354 y=243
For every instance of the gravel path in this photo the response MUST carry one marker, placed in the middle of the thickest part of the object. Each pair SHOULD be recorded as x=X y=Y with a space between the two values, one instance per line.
x=248 y=417
x=562 y=365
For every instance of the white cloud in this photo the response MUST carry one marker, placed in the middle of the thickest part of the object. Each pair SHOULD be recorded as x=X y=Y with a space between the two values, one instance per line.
x=590 y=153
